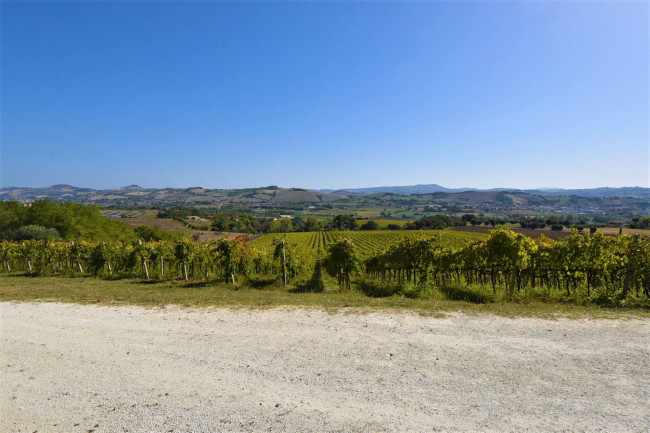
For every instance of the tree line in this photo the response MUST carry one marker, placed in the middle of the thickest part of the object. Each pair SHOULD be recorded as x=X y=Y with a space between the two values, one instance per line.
x=45 y=219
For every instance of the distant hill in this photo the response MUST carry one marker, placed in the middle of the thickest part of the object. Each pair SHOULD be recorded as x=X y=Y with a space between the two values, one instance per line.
x=436 y=197
x=636 y=192
x=134 y=194
x=402 y=190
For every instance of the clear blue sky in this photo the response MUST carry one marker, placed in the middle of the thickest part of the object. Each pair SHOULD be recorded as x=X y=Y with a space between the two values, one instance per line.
x=325 y=94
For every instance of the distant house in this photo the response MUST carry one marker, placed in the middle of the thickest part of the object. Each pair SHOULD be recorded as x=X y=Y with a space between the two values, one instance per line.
x=286 y=216
x=194 y=218
x=210 y=216
x=616 y=223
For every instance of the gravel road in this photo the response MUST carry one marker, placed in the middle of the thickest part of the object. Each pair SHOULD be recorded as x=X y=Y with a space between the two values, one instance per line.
x=71 y=368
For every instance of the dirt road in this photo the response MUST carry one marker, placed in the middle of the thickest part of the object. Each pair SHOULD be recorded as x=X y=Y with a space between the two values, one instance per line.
x=70 y=368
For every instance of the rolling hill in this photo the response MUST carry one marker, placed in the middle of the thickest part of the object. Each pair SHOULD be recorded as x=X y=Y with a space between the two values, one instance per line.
x=134 y=194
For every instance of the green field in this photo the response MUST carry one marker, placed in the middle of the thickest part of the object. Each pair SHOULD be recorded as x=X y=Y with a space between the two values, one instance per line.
x=413 y=214
x=367 y=242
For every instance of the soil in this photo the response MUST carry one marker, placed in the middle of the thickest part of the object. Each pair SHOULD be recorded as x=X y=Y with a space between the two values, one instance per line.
x=71 y=368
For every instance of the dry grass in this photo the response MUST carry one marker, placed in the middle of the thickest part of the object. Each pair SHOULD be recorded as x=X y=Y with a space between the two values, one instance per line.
x=172 y=225
x=626 y=231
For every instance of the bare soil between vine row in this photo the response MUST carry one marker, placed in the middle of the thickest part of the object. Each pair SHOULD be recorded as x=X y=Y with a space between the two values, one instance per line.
x=72 y=368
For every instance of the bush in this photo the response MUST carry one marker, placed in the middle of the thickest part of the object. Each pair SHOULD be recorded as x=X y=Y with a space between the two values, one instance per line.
x=376 y=289
x=411 y=291
x=457 y=293
x=157 y=234
x=35 y=232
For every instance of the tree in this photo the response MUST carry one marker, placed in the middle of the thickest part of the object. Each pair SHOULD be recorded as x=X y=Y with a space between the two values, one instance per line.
x=433 y=222
x=344 y=222
x=370 y=225
x=283 y=225
x=468 y=218
x=312 y=224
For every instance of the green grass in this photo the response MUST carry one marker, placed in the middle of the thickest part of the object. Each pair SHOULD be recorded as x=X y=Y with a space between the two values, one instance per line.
x=89 y=290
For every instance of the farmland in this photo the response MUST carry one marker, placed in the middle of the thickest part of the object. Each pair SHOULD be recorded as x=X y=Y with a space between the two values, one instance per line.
x=604 y=269
x=591 y=268
x=551 y=234
x=150 y=220
x=408 y=204
x=367 y=243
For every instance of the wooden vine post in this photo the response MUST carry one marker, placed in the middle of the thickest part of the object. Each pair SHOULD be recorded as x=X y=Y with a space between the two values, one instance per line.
x=284 y=264
x=144 y=261
x=29 y=262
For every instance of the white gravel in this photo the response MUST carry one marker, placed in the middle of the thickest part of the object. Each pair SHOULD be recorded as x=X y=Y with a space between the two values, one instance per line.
x=71 y=368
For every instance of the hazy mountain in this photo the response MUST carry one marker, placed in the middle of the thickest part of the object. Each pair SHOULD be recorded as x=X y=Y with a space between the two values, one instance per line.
x=403 y=190
x=272 y=196
x=636 y=192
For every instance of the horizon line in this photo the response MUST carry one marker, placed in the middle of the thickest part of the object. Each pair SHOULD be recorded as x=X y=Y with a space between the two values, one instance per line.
x=460 y=189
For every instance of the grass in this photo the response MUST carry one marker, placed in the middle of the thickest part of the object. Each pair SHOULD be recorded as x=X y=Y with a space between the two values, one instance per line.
x=87 y=290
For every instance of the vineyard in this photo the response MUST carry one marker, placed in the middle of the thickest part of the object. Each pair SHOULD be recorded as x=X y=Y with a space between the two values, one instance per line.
x=367 y=243
x=598 y=268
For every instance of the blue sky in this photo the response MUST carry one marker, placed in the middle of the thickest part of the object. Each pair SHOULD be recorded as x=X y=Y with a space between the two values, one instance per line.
x=325 y=94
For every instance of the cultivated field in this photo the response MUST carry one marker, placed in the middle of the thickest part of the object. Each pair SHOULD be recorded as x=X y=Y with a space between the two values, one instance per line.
x=366 y=242
x=69 y=368
x=552 y=234
x=526 y=232
x=173 y=225
x=626 y=231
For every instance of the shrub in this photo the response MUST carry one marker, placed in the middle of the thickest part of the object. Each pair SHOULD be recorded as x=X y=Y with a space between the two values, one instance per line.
x=35 y=232
x=378 y=289
x=457 y=293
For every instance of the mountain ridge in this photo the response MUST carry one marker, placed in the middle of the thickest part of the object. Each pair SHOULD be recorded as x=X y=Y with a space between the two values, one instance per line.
x=270 y=195
x=635 y=191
